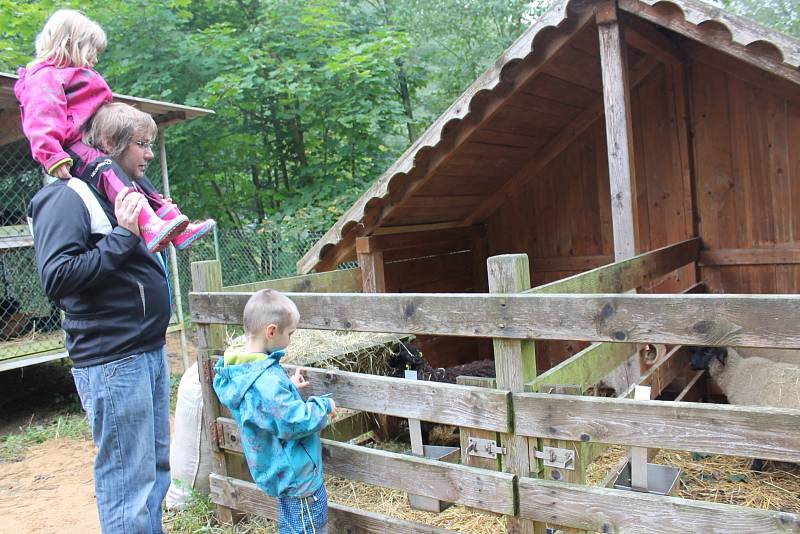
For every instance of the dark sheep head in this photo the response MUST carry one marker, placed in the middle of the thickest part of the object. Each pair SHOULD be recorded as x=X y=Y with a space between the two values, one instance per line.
x=407 y=357
x=700 y=357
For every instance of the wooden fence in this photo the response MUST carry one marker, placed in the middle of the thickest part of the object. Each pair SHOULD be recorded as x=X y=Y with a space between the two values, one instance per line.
x=525 y=417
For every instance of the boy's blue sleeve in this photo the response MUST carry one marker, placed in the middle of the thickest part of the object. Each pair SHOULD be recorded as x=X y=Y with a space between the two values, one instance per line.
x=279 y=409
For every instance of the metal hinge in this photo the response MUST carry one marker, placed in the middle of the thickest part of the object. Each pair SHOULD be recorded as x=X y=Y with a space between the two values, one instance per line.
x=554 y=457
x=485 y=448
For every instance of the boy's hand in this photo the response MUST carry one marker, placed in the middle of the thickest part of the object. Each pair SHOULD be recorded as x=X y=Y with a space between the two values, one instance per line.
x=298 y=379
x=333 y=409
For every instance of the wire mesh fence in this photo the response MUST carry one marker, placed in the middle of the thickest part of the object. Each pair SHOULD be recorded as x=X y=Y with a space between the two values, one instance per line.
x=29 y=322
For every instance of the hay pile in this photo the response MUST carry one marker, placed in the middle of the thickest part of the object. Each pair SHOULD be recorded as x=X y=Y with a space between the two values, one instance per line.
x=394 y=503
x=721 y=479
x=363 y=352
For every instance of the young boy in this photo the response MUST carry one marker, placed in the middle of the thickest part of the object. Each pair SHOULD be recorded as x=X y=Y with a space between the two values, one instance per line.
x=280 y=431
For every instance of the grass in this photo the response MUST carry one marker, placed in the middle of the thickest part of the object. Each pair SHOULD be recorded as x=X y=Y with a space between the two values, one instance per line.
x=198 y=517
x=70 y=424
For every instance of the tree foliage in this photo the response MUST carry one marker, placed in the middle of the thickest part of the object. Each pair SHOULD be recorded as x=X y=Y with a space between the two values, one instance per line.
x=312 y=100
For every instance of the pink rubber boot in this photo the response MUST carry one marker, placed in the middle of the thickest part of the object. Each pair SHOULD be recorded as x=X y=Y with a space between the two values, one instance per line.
x=191 y=233
x=158 y=232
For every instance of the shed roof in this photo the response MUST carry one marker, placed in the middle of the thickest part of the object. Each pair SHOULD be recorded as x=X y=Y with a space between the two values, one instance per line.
x=164 y=113
x=523 y=110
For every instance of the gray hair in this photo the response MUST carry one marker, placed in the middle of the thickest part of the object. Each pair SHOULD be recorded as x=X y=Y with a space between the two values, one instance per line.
x=268 y=307
x=113 y=127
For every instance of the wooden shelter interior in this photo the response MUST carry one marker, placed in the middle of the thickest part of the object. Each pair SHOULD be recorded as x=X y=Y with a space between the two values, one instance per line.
x=715 y=137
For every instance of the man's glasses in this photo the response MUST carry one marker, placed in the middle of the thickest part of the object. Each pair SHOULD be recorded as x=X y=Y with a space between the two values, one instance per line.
x=144 y=145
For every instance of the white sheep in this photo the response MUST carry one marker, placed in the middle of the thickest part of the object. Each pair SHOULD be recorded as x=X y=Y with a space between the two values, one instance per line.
x=757 y=381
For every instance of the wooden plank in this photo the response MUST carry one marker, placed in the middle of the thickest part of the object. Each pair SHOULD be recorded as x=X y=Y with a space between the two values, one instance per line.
x=743 y=31
x=749 y=256
x=755 y=432
x=619 y=135
x=16 y=236
x=515 y=364
x=207 y=276
x=342 y=281
x=246 y=496
x=569 y=263
x=437 y=402
x=464 y=433
x=710 y=320
x=627 y=274
x=554 y=148
x=610 y=510
x=31 y=359
x=406 y=240
x=586 y=368
x=460 y=484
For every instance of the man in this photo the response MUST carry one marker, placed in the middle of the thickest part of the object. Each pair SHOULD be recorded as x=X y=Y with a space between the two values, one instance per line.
x=94 y=265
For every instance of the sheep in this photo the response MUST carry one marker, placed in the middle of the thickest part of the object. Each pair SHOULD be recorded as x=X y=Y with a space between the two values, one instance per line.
x=753 y=381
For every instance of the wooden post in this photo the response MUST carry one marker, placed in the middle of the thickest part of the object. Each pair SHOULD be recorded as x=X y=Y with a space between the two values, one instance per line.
x=515 y=364
x=207 y=276
x=616 y=98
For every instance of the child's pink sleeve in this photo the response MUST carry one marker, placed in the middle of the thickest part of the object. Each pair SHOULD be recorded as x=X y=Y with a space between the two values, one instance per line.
x=44 y=117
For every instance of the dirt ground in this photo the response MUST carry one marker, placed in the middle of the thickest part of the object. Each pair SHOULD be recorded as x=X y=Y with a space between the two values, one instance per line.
x=52 y=489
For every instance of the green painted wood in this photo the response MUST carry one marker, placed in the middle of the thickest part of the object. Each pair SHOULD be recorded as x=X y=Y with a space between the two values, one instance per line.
x=585 y=368
x=343 y=281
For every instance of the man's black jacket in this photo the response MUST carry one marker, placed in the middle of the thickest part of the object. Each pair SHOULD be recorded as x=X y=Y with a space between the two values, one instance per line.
x=113 y=290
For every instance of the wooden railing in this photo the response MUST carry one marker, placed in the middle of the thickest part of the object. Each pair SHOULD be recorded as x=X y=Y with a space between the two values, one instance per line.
x=613 y=321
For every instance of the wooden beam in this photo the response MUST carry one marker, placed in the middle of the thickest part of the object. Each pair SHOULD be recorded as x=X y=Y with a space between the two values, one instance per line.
x=693 y=390
x=619 y=134
x=743 y=32
x=382 y=243
x=569 y=263
x=749 y=256
x=751 y=431
x=610 y=510
x=710 y=320
x=448 y=143
x=486 y=490
x=661 y=375
x=585 y=368
x=464 y=433
x=342 y=281
x=515 y=364
x=647 y=39
x=448 y=404
x=246 y=496
x=627 y=274
x=554 y=148
x=15 y=237
x=371 y=265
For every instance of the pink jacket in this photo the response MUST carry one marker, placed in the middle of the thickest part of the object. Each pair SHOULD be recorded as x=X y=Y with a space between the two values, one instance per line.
x=55 y=104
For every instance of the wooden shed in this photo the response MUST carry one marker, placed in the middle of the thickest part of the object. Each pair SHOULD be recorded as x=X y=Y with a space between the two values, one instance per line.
x=607 y=130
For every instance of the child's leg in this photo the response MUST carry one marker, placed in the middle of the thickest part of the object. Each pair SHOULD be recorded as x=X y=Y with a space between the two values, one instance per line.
x=106 y=176
x=304 y=515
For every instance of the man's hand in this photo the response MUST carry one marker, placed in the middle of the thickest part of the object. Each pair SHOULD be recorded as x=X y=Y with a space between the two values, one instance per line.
x=127 y=208
x=298 y=379
x=61 y=172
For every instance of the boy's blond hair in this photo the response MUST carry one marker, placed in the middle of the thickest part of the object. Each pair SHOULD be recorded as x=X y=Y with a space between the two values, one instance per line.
x=114 y=126
x=268 y=307
x=70 y=39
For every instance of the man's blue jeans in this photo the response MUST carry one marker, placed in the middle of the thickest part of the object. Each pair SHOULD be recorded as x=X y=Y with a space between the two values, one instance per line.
x=127 y=403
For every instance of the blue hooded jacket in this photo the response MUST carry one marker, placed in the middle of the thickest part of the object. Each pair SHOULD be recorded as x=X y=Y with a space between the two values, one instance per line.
x=279 y=430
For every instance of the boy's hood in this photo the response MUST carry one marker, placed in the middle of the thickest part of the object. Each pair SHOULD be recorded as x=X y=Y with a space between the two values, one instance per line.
x=233 y=380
